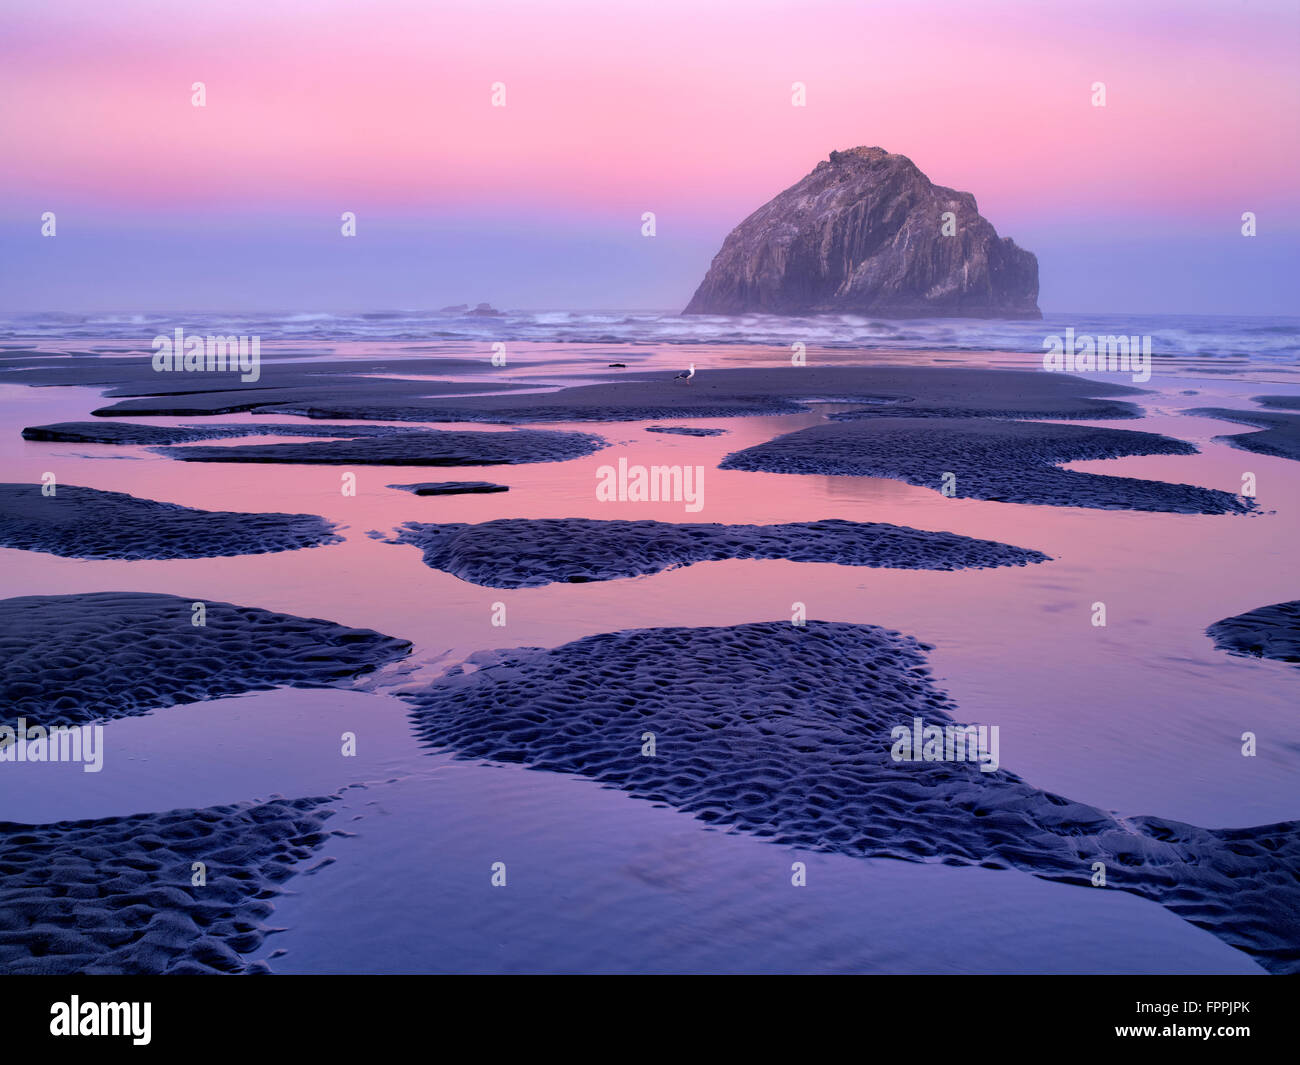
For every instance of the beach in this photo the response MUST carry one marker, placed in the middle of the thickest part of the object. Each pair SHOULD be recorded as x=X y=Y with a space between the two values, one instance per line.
x=550 y=625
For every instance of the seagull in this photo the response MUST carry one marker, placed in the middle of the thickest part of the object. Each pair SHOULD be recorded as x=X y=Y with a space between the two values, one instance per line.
x=686 y=375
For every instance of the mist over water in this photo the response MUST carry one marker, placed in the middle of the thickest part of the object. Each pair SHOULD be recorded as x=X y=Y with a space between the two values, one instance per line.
x=1273 y=340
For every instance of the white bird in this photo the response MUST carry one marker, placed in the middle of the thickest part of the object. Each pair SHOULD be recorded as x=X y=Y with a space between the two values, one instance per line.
x=686 y=375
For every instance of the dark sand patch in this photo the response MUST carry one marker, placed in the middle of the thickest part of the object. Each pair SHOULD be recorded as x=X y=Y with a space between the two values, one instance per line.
x=644 y=396
x=115 y=895
x=1279 y=402
x=79 y=522
x=1009 y=462
x=530 y=552
x=450 y=488
x=429 y=447
x=785 y=732
x=72 y=659
x=109 y=432
x=1267 y=632
x=290 y=400
x=685 y=430
x=283 y=375
x=1280 y=436
x=959 y=411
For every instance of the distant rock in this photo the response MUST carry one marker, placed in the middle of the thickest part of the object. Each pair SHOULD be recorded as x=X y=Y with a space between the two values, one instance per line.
x=863 y=234
x=483 y=310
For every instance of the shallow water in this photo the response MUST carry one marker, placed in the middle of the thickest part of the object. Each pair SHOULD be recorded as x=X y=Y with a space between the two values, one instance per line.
x=1143 y=716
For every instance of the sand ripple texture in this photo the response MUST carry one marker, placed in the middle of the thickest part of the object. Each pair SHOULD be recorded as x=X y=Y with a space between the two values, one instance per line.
x=429 y=447
x=116 y=895
x=1280 y=435
x=71 y=659
x=79 y=522
x=111 y=432
x=784 y=732
x=654 y=396
x=528 y=553
x=685 y=430
x=1003 y=461
x=1267 y=632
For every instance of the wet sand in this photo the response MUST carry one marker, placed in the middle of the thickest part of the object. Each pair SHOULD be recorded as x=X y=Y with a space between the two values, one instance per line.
x=523 y=553
x=1144 y=715
x=79 y=522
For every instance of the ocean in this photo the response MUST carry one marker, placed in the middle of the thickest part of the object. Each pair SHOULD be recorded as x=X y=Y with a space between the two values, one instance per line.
x=1272 y=340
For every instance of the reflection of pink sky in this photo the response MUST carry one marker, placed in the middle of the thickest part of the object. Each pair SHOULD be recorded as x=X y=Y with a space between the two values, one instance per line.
x=1142 y=716
x=679 y=104
x=1137 y=716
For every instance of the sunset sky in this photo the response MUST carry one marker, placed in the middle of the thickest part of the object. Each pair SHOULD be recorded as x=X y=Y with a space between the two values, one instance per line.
x=383 y=107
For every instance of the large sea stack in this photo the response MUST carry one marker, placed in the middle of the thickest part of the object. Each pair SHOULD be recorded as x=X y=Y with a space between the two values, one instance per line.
x=864 y=234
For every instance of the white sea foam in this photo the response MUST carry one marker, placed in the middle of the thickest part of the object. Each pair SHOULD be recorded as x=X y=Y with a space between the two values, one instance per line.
x=1263 y=339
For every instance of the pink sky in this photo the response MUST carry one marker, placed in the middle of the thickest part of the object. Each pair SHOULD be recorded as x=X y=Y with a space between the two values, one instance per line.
x=614 y=106
x=683 y=108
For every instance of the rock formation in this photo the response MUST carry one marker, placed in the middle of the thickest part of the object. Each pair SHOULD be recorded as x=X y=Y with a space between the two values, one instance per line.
x=864 y=233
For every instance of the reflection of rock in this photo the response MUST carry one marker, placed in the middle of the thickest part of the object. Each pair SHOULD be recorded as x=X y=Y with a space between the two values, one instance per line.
x=863 y=233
